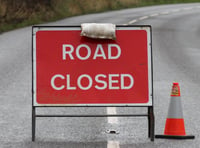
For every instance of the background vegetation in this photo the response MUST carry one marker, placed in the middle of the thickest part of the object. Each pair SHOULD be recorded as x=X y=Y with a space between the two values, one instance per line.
x=18 y=13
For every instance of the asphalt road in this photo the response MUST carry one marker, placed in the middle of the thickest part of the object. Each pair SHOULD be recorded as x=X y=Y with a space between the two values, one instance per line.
x=176 y=54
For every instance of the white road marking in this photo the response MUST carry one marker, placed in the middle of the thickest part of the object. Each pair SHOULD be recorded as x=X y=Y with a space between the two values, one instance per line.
x=188 y=8
x=112 y=110
x=112 y=120
x=176 y=10
x=113 y=144
x=133 y=21
x=155 y=14
x=143 y=17
x=164 y=13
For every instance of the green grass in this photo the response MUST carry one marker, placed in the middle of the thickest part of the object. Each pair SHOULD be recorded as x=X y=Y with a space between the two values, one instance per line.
x=16 y=14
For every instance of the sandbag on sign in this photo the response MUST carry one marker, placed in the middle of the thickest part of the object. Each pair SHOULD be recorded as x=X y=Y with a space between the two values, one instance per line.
x=98 y=31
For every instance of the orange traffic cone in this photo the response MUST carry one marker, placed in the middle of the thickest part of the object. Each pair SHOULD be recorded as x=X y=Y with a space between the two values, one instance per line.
x=174 y=126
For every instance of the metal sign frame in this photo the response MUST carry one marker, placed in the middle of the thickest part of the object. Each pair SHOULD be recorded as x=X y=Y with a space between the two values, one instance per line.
x=149 y=105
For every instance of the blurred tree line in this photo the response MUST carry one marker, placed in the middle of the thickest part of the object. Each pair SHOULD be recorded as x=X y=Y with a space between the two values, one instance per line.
x=17 y=13
x=28 y=12
x=18 y=10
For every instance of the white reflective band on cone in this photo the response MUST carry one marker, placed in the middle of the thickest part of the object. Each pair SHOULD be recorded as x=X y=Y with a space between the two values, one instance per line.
x=175 y=108
x=98 y=31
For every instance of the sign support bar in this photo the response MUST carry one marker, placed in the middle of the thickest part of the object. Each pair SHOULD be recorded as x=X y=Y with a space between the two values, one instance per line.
x=149 y=115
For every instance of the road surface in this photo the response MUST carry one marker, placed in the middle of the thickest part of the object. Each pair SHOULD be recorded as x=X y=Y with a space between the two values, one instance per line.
x=176 y=57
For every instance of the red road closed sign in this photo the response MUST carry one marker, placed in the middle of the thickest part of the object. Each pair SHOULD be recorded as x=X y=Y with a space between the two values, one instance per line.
x=69 y=69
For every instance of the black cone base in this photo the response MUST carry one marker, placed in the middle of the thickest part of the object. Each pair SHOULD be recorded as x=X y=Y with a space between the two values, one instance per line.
x=175 y=137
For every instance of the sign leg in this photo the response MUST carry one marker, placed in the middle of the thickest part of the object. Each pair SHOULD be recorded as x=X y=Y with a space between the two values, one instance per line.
x=151 y=123
x=33 y=123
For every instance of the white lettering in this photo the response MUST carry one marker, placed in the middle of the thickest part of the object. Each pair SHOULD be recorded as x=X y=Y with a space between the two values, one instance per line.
x=123 y=80
x=83 y=46
x=65 y=52
x=53 y=82
x=84 y=52
x=102 y=54
x=89 y=84
x=97 y=79
x=111 y=81
x=68 y=84
x=99 y=82
x=111 y=47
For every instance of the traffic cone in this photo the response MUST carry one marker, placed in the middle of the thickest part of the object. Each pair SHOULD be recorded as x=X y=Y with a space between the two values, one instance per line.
x=174 y=126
